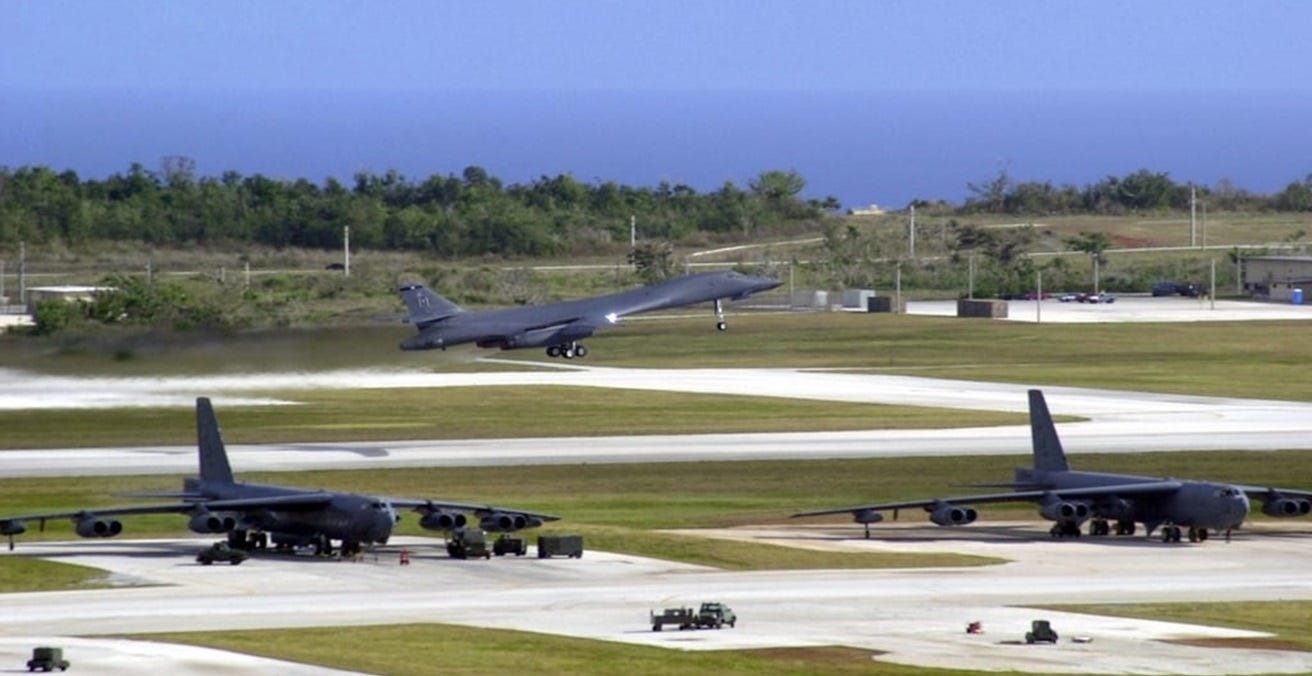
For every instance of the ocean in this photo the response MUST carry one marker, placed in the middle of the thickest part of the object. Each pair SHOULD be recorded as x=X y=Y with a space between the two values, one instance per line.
x=884 y=148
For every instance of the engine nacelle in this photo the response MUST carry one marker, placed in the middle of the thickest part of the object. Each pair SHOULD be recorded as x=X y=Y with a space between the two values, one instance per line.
x=439 y=520
x=950 y=515
x=206 y=522
x=1064 y=511
x=1279 y=505
x=12 y=528
x=500 y=522
x=867 y=516
x=92 y=527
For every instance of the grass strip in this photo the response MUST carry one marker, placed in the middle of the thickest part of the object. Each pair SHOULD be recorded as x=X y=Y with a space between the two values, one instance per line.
x=471 y=413
x=428 y=648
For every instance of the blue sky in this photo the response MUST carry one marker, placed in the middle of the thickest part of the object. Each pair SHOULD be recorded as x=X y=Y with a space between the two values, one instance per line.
x=667 y=45
x=870 y=101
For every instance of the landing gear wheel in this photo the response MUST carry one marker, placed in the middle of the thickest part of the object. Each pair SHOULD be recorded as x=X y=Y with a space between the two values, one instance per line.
x=580 y=351
x=553 y=351
x=567 y=352
x=722 y=326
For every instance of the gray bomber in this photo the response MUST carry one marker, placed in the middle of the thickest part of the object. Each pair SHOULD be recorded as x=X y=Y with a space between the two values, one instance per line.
x=1069 y=498
x=559 y=326
x=251 y=514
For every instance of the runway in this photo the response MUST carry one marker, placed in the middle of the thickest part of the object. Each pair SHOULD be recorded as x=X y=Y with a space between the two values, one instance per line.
x=917 y=617
x=1117 y=421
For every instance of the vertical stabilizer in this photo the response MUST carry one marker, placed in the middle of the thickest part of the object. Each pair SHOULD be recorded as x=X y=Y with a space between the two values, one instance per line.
x=426 y=307
x=213 y=456
x=1048 y=455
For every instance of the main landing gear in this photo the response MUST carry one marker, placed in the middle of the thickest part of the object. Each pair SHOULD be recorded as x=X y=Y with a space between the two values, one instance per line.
x=568 y=350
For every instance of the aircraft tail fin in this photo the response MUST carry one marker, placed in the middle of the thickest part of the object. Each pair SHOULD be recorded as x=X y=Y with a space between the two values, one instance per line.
x=1048 y=455
x=426 y=307
x=209 y=440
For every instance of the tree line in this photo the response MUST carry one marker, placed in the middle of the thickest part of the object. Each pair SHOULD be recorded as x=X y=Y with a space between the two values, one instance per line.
x=470 y=214
x=1140 y=191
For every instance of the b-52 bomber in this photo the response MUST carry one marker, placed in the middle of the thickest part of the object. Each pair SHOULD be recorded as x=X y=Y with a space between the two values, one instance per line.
x=252 y=514
x=560 y=326
x=1069 y=498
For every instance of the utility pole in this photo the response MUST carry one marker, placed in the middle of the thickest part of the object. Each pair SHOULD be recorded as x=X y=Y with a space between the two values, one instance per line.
x=970 y=277
x=22 y=273
x=1038 y=297
x=911 y=233
x=633 y=232
x=1193 y=216
x=346 y=247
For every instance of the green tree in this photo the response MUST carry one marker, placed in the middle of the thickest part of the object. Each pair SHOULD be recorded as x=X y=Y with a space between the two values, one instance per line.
x=653 y=261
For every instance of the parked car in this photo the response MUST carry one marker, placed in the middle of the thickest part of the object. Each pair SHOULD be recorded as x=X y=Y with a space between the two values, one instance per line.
x=1095 y=298
x=1169 y=288
x=1069 y=297
x=1035 y=295
x=1164 y=288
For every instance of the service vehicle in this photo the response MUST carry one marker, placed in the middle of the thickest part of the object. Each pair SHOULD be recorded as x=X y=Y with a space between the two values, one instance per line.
x=468 y=543
x=508 y=545
x=221 y=551
x=46 y=658
x=560 y=545
x=710 y=615
x=715 y=616
x=1040 y=632
x=683 y=618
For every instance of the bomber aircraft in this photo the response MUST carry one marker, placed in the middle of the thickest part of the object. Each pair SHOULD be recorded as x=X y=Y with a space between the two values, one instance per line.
x=1069 y=498
x=560 y=326
x=251 y=514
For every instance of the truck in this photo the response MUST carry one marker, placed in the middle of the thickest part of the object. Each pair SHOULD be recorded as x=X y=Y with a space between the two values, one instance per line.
x=1040 y=632
x=709 y=616
x=221 y=551
x=560 y=545
x=508 y=545
x=468 y=542
x=715 y=616
x=46 y=658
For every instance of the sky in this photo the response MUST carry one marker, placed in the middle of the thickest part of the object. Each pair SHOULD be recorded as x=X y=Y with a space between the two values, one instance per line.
x=272 y=63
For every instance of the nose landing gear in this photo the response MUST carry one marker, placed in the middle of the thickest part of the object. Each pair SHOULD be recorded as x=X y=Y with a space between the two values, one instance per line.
x=720 y=324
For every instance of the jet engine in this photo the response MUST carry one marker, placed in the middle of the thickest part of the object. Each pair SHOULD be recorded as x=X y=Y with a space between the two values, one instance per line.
x=92 y=527
x=554 y=335
x=206 y=522
x=1277 y=504
x=500 y=522
x=944 y=514
x=867 y=516
x=439 y=520
x=1061 y=510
